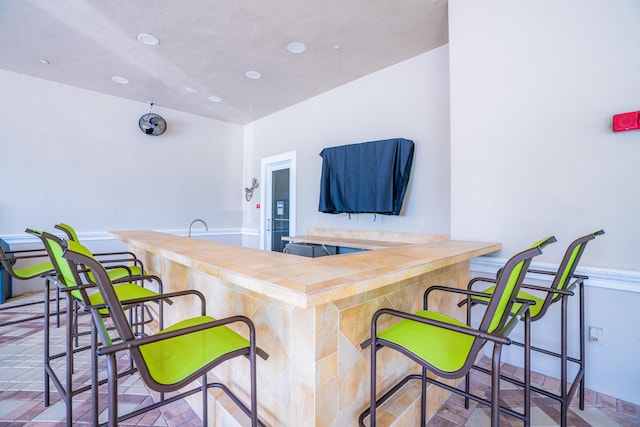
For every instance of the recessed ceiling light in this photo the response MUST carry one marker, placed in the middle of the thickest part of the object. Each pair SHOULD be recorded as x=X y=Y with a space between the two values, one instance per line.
x=335 y=47
x=296 y=47
x=190 y=89
x=148 y=39
x=120 y=79
x=44 y=61
x=214 y=98
x=250 y=105
x=253 y=75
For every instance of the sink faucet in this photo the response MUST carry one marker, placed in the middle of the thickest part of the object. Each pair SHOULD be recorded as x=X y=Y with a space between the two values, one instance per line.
x=198 y=220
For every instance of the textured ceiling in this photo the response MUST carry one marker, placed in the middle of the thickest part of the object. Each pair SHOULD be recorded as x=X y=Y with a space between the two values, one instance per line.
x=207 y=46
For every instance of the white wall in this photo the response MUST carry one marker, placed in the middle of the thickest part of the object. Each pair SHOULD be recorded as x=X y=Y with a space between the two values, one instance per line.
x=77 y=156
x=408 y=100
x=534 y=85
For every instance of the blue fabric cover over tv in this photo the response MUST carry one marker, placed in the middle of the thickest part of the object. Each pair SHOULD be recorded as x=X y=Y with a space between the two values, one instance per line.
x=369 y=177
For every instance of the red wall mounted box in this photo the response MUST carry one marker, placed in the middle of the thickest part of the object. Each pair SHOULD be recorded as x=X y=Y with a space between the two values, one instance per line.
x=626 y=121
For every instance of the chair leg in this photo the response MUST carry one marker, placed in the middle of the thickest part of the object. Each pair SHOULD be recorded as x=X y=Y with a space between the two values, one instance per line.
x=57 y=306
x=205 y=409
x=254 y=385
x=71 y=308
x=112 y=372
x=467 y=378
x=527 y=369
x=423 y=399
x=564 y=403
x=372 y=412
x=75 y=323
x=582 y=342
x=94 y=375
x=495 y=385
x=46 y=352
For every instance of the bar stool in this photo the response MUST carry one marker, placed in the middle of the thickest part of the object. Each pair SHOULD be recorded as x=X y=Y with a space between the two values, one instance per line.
x=443 y=345
x=82 y=292
x=118 y=260
x=136 y=267
x=41 y=269
x=564 y=284
x=175 y=357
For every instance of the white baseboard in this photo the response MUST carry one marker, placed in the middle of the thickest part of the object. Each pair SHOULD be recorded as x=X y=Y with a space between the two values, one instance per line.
x=27 y=239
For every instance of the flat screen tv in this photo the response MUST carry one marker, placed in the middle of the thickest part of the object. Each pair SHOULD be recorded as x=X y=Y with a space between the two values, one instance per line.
x=368 y=177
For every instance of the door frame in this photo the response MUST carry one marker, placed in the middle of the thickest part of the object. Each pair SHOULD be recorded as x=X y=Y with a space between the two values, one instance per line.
x=266 y=164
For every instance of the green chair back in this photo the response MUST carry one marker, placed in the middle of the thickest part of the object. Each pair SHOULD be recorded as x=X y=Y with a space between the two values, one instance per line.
x=507 y=287
x=68 y=230
x=571 y=258
x=25 y=273
x=68 y=276
x=108 y=292
x=567 y=268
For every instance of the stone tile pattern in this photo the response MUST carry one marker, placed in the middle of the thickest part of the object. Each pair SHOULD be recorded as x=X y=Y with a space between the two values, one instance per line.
x=316 y=374
x=22 y=386
x=21 y=390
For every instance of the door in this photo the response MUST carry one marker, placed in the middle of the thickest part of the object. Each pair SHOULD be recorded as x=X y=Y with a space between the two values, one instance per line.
x=279 y=208
x=278 y=214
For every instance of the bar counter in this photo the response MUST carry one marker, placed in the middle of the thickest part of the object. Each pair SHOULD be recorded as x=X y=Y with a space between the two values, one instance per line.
x=311 y=314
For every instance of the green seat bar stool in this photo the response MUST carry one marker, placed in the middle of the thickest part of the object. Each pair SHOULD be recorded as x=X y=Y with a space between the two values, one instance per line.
x=447 y=347
x=175 y=357
x=136 y=267
x=565 y=283
x=80 y=292
x=9 y=258
x=122 y=264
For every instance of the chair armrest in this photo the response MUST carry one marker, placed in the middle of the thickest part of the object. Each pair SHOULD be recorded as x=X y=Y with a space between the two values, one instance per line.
x=467 y=292
x=167 y=296
x=43 y=251
x=481 y=280
x=141 y=277
x=107 y=261
x=130 y=255
x=64 y=288
x=546 y=289
x=24 y=254
x=135 y=277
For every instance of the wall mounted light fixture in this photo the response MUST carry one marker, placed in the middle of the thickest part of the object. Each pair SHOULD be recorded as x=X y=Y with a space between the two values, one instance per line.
x=248 y=192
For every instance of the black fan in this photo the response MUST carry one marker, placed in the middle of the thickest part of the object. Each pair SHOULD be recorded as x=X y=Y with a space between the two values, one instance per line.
x=152 y=123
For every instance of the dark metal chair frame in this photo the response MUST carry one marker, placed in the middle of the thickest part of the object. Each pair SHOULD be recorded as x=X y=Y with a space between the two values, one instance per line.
x=113 y=259
x=73 y=306
x=498 y=337
x=132 y=344
x=560 y=289
x=7 y=258
x=104 y=257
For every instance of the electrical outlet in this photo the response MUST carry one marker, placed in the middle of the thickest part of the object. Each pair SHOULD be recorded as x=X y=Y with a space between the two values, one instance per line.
x=421 y=223
x=596 y=335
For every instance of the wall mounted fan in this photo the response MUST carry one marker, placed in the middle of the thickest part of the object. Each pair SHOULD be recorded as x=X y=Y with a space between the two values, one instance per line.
x=152 y=123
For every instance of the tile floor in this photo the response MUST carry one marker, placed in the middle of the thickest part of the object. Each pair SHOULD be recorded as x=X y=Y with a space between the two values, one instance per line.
x=21 y=389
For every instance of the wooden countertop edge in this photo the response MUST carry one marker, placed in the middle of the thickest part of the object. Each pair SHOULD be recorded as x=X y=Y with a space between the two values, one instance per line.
x=306 y=295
